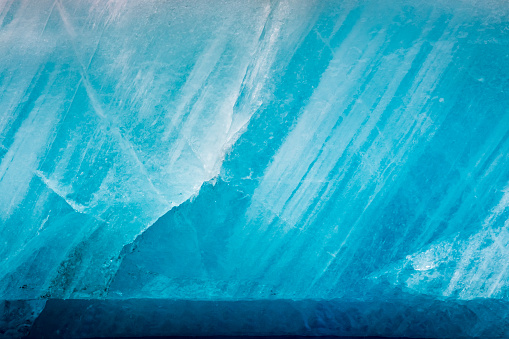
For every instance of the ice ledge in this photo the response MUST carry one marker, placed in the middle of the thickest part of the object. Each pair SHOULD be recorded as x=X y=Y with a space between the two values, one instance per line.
x=413 y=316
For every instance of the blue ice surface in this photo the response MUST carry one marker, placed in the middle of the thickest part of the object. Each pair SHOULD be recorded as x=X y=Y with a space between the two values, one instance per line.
x=258 y=154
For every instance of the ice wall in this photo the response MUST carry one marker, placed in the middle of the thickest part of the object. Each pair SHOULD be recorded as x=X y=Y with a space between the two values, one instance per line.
x=113 y=113
x=381 y=159
x=291 y=149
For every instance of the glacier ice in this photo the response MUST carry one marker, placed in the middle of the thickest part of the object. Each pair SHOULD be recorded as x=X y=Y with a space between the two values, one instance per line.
x=271 y=151
x=92 y=142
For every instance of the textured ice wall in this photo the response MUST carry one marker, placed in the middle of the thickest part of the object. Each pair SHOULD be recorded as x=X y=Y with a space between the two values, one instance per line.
x=345 y=147
x=113 y=113
x=381 y=160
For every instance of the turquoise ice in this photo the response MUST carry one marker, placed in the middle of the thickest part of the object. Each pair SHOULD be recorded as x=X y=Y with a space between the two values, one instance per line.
x=255 y=150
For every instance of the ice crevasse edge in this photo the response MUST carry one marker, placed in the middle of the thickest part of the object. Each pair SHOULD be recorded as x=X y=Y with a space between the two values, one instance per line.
x=254 y=150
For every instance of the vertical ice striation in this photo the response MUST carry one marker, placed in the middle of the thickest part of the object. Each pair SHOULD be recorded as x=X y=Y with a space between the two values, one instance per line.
x=379 y=159
x=111 y=116
x=291 y=149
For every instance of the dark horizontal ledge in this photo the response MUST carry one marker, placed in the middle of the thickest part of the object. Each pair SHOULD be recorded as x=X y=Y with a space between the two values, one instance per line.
x=413 y=317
